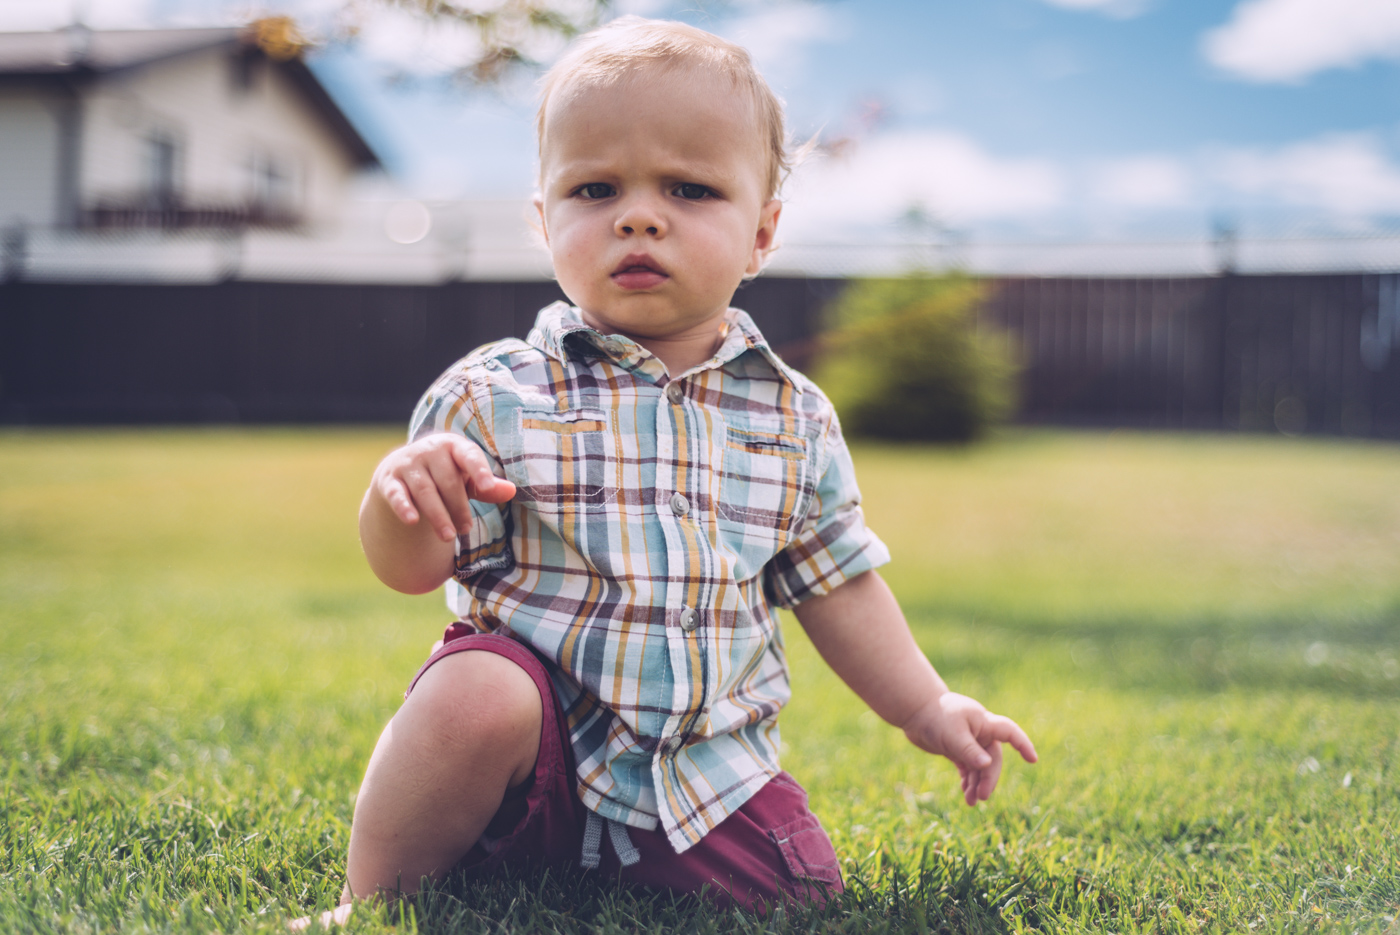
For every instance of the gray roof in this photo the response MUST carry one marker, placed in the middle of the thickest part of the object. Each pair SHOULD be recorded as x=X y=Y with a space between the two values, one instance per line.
x=79 y=49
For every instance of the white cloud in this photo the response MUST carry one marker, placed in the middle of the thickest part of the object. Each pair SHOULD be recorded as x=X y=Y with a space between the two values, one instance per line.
x=1345 y=175
x=411 y=44
x=1118 y=9
x=1288 y=40
x=777 y=35
x=1336 y=180
x=25 y=15
x=18 y=15
x=1143 y=182
x=945 y=174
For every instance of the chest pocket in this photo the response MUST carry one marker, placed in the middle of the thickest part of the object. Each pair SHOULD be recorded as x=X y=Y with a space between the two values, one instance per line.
x=565 y=460
x=767 y=487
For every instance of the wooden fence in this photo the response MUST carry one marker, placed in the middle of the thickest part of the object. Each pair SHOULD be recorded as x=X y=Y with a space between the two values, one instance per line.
x=1255 y=353
x=275 y=352
x=1273 y=353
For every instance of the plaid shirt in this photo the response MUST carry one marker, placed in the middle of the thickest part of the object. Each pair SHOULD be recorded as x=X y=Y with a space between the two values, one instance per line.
x=657 y=521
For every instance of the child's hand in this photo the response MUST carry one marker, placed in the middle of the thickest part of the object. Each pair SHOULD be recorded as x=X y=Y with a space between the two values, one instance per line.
x=959 y=728
x=435 y=478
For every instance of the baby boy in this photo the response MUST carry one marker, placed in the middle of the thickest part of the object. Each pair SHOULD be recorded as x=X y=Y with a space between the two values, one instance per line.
x=619 y=504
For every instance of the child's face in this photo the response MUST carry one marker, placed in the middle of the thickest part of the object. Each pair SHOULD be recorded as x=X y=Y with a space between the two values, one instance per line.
x=653 y=202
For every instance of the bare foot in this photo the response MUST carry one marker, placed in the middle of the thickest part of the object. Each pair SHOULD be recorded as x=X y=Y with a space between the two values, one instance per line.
x=327 y=919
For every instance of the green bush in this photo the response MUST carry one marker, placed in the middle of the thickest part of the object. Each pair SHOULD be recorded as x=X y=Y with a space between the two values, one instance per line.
x=906 y=359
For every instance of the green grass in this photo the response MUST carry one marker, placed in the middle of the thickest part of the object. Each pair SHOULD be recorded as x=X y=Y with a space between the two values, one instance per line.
x=1201 y=634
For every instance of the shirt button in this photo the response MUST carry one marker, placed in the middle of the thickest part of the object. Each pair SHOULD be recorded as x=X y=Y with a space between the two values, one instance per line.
x=689 y=619
x=671 y=745
x=612 y=346
x=675 y=393
x=679 y=504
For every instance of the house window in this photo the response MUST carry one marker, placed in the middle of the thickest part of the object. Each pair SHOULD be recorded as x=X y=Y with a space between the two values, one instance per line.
x=162 y=166
x=244 y=70
x=272 y=186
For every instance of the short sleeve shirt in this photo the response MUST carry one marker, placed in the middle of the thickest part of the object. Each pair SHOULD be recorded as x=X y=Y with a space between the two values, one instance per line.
x=657 y=523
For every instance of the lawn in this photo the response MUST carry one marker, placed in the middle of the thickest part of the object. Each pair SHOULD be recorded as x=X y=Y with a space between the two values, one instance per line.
x=1202 y=634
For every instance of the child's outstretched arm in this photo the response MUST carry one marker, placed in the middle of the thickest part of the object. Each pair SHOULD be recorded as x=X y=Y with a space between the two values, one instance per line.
x=417 y=502
x=860 y=631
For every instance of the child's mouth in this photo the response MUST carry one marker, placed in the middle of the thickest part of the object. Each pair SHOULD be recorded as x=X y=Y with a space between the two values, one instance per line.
x=638 y=271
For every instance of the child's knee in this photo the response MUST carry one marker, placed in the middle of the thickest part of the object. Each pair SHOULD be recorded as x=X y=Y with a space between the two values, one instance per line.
x=478 y=699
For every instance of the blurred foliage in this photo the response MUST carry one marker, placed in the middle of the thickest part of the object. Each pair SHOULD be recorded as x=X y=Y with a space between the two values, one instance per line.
x=279 y=37
x=500 y=34
x=509 y=30
x=907 y=359
x=509 y=35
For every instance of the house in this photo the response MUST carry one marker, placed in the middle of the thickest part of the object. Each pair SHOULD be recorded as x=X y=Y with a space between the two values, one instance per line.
x=217 y=128
x=210 y=155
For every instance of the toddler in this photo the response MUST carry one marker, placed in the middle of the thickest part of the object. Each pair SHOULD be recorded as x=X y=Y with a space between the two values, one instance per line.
x=618 y=504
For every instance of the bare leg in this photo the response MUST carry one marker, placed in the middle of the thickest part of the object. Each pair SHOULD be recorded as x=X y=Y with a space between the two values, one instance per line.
x=469 y=731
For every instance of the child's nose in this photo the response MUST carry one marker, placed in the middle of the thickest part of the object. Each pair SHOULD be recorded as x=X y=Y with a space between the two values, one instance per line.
x=640 y=215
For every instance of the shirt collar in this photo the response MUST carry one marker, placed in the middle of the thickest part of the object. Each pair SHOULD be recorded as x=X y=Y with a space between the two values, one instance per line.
x=744 y=336
x=558 y=323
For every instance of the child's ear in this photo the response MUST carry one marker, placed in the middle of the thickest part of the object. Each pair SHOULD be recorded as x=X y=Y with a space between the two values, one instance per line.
x=765 y=241
x=538 y=202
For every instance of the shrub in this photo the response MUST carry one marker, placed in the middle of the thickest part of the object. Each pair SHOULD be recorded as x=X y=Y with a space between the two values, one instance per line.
x=905 y=359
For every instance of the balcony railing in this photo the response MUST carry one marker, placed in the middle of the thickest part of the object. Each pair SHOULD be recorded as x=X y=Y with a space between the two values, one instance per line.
x=176 y=214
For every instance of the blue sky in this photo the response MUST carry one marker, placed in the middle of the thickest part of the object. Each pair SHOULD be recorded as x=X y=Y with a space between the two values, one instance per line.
x=1025 y=76
x=1002 y=118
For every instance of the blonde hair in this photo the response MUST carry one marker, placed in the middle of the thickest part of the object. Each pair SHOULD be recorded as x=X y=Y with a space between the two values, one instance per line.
x=628 y=44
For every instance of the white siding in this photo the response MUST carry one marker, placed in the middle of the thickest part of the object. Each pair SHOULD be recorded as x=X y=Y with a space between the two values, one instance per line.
x=277 y=118
x=29 y=159
x=220 y=130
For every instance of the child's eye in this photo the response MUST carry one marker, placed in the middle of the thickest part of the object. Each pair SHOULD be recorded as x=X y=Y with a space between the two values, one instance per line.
x=595 y=190
x=692 y=192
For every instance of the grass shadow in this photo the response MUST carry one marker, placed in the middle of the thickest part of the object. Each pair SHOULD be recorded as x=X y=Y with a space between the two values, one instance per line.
x=947 y=894
x=1357 y=658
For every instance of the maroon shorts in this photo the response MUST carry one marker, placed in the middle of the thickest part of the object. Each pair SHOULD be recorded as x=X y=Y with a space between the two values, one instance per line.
x=771 y=850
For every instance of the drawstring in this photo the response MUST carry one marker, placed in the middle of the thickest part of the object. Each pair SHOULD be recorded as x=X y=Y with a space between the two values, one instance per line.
x=627 y=855
x=622 y=845
x=592 y=842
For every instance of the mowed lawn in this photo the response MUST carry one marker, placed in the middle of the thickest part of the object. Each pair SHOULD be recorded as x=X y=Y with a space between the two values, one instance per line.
x=1201 y=634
